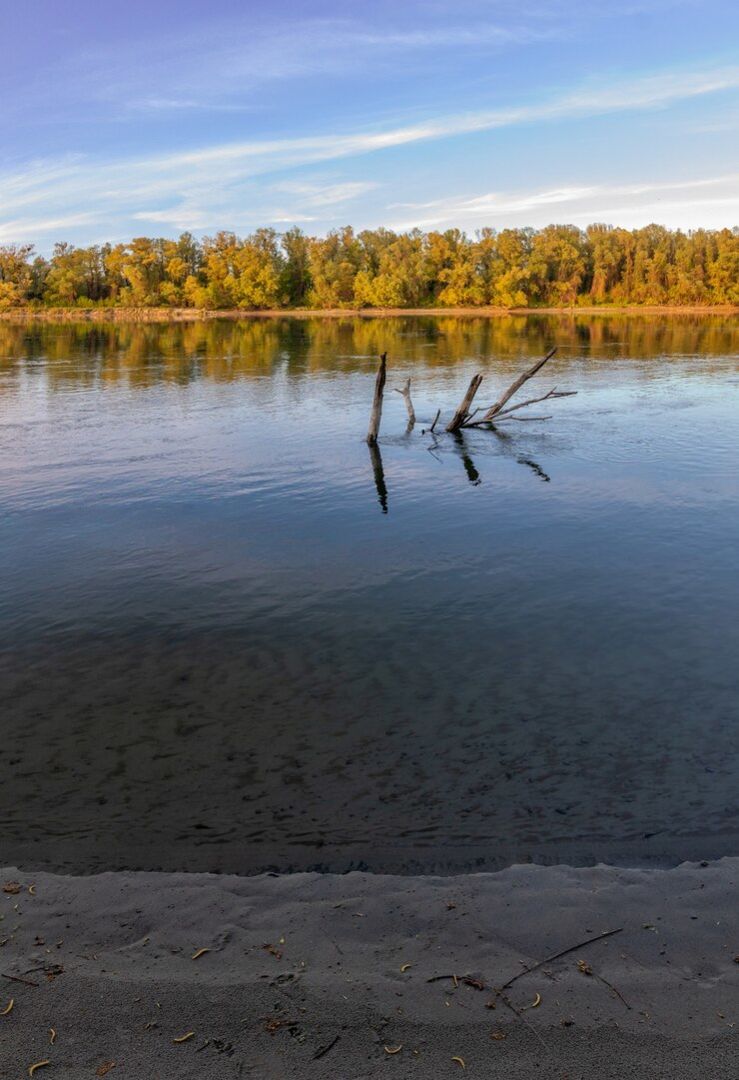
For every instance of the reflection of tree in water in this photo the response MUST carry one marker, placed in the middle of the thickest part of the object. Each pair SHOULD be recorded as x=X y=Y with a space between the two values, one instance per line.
x=224 y=350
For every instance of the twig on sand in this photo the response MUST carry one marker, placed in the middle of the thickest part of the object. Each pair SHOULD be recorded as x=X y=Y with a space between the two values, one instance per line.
x=478 y=984
x=17 y=978
x=509 y=1004
x=323 y=1050
x=500 y=991
x=587 y=970
x=564 y=952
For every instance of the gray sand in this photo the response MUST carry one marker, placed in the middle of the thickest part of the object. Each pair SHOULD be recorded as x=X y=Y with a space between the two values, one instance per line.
x=299 y=961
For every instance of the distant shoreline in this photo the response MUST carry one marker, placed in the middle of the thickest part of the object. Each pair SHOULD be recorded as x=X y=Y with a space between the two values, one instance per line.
x=167 y=315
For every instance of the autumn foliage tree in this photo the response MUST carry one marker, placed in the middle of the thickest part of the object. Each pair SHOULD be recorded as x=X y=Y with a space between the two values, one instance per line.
x=557 y=266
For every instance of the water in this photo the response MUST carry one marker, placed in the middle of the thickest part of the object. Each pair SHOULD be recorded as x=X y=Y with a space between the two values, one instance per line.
x=231 y=639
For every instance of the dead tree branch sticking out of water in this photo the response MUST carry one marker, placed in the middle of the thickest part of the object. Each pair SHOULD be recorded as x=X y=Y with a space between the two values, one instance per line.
x=496 y=414
x=463 y=417
x=376 y=414
x=497 y=408
x=405 y=391
x=462 y=413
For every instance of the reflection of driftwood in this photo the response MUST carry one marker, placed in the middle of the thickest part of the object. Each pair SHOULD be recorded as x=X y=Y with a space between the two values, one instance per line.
x=469 y=466
x=379 y=474
x=376 y=414
x=463 y=411
x=406 y=393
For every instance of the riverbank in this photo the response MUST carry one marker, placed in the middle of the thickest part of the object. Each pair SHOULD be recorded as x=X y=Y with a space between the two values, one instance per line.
x=165 y=315
x=360 y=975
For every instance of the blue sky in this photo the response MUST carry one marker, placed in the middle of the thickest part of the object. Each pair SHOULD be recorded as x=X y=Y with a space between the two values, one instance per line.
x=152 y=118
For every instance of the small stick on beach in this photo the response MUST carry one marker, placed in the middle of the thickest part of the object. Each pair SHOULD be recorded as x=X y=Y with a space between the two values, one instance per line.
x=556 y=956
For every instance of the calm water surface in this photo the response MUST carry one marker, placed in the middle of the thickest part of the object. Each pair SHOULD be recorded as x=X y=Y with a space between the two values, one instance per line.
x=232 y=639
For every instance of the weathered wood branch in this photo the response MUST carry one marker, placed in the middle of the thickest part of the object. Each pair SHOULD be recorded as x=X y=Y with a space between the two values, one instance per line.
x=520 y=419
x=515 y=386
x=533 y=401
x=405 y=391
x=436 y=421
x=462 y=412
x=376 y=414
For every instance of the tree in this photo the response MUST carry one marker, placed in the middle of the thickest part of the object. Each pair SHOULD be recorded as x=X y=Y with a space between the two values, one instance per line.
x=15 y=274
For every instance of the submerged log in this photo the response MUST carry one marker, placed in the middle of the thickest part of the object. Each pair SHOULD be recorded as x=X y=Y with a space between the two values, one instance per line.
x=463 y=411
x=405 y=391
x=376 y=414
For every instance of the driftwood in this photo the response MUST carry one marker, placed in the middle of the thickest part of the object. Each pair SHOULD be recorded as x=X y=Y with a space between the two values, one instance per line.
x=405 y=391
x=465 y=416
x=462 y=413
x=376 y=414
x=498 y=406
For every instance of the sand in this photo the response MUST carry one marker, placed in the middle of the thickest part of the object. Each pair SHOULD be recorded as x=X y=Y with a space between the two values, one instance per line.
x=167 y=314
x=313 y=975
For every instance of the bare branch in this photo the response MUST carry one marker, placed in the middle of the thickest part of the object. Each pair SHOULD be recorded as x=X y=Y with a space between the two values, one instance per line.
x=406 y=394
x=534 y=400
x=508 y=394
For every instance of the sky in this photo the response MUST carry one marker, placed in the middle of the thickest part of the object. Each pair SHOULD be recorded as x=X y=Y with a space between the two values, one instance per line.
x=154 y=118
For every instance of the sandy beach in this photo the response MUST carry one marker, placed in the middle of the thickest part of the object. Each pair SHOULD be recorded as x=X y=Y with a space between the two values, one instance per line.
x=362 y=975
x=184 y=314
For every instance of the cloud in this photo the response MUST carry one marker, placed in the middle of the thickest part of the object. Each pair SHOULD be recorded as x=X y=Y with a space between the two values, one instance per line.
x=26 y=229
x=207 y=186
x=701 y=201
x=326 y=194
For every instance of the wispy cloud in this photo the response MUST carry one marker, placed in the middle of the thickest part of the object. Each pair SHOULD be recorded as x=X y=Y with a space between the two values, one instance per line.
x=708 y=199
x=218 y=66
x=207 y=186
x=326 y=194
x=31 y=228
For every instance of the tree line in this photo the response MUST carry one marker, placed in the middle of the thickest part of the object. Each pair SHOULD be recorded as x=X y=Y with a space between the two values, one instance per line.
x=557 y=266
